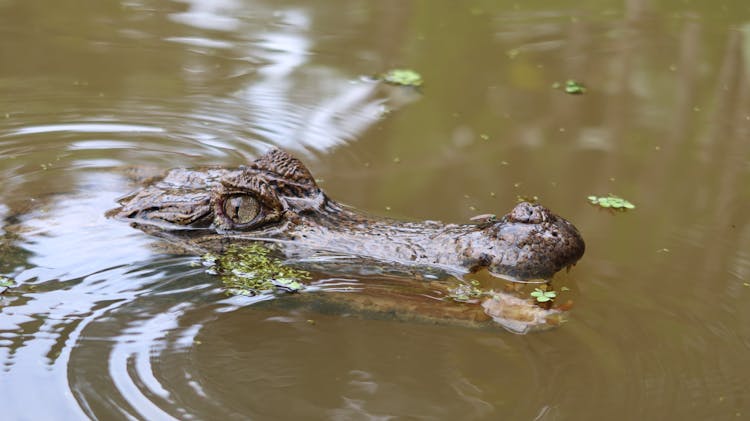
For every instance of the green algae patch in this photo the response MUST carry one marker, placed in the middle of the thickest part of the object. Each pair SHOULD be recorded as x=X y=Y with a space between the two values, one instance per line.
x=250 y=270
x=611 y=202
x=403 y=77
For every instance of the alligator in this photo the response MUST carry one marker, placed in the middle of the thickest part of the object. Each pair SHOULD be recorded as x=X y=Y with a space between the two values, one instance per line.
x=275 y=199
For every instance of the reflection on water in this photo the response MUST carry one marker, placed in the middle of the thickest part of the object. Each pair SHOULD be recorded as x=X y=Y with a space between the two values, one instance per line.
x=84 y=128
x=104 y=325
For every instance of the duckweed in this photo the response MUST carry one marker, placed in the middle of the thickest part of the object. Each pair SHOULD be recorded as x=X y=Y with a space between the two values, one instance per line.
x=249 y=270
x=404 y=77
x=5 y=284
x=574 y=88
x=611 y=202
x=543 y=296
x=464 y=292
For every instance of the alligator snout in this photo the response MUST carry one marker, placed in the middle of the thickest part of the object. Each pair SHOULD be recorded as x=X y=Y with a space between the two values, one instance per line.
x=531 y=242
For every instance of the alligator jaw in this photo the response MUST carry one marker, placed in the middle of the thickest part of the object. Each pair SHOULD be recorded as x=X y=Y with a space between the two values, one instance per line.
x=520 y=249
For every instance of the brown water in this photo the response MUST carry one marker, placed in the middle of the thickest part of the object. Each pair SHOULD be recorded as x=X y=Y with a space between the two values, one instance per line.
x=101 y=325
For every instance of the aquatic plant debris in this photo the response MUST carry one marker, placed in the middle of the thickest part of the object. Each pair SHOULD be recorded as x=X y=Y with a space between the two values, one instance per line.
x=611 y=202
x=571 y=87
x=467 y=293
x=543 y=296
x=403 y=77
x=249 y=270
x=5 y=284
x=574 y=88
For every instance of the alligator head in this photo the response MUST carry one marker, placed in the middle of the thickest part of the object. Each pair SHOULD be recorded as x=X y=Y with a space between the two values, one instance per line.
x=275 y=198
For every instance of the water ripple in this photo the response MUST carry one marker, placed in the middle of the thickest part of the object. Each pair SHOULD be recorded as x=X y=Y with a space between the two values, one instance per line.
x=85 y=128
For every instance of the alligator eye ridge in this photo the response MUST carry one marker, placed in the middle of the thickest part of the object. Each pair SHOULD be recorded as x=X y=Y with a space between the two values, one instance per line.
x=241 y=209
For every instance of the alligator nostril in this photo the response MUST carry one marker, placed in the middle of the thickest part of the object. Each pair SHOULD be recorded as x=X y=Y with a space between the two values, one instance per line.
x=527 y=213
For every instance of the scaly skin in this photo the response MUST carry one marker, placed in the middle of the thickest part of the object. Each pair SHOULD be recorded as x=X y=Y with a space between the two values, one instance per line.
x=278 y=200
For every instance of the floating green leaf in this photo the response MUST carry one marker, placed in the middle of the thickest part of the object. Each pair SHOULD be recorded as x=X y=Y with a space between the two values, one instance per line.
x=5 y=284
x=249 y=270
x=404 y=77
x=611 y=202
x=574 y=88
x=543 y=296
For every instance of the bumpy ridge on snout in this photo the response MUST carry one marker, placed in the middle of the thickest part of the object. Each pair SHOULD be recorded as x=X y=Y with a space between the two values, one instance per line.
x=536 y=243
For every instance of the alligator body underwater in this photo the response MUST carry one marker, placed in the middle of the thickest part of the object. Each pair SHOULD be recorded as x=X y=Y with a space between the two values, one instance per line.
x=275 y=200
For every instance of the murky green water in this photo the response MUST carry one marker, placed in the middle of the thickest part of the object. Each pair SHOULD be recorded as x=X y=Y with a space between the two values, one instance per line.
x=102 y=325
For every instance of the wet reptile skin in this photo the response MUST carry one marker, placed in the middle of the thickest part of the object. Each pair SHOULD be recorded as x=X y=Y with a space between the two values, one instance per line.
x=275 y=198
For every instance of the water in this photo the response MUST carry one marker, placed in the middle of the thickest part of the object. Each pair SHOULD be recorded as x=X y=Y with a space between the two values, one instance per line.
x=103 y=325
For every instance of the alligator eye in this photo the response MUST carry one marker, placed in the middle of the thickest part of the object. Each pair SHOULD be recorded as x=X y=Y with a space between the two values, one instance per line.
x=241 y=208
